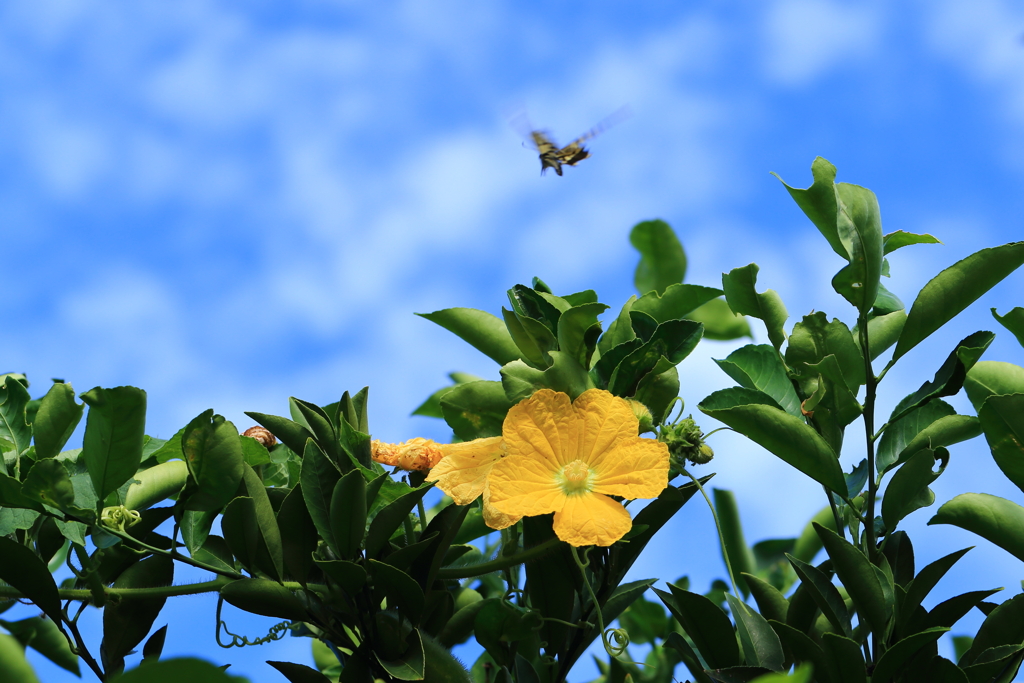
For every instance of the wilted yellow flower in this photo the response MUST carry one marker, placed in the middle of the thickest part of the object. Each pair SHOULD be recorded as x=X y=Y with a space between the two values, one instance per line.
x=414 y=454
x=568 y=457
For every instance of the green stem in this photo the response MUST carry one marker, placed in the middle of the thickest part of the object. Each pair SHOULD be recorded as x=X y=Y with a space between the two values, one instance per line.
x=498 y=564
x=8 y=592
x=835 y=513
x=870 y=388
x=423 y=515
x=718 y=527
x=173 y=555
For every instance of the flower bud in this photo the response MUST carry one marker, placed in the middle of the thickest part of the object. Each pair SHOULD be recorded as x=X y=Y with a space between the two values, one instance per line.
x=685 y=442
x=417 y=454
x=643 y=415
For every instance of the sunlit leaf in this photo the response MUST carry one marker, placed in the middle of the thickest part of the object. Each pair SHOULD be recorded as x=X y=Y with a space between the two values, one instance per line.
x=56 y=419
x=759 y=367
x=743 y=298
x=1013 y=321
x=662 y=259
x=480 y=329
x=995 y=519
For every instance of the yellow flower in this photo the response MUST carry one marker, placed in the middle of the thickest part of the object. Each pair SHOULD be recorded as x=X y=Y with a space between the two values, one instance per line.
x=568 y=457
x=462 y=474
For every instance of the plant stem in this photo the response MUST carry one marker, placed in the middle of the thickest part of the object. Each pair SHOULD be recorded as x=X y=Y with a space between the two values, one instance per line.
x=870 y=388
x=82 y=650
x=718 y=527
x=84 y=595
x=173 y=555
x=472 y=570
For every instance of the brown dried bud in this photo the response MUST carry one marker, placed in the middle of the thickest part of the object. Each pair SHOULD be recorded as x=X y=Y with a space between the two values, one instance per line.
x=263 y=435
x=415 y=454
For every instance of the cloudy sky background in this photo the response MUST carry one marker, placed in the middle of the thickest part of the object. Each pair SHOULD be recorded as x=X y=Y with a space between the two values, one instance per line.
x=231 y=204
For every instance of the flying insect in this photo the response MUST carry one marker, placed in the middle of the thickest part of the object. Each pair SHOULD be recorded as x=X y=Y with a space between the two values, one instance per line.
x=553 y=156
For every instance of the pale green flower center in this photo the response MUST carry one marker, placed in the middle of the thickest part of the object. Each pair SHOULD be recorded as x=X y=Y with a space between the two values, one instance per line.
x=576 y=477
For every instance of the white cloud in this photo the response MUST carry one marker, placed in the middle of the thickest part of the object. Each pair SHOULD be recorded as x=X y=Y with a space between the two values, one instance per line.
x=806 y=39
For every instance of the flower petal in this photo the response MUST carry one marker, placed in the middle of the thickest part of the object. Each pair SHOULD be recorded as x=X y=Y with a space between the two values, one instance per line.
x=524 y=485
x=634 y=470
x=493 y=517
x=607 y=421
x=591 y=519
x=543 y=427
x=462 y=472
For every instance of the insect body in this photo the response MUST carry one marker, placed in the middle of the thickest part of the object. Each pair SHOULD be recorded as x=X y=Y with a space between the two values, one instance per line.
x=553 y=156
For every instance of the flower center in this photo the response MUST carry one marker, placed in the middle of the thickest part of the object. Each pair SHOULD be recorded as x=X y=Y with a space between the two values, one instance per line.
x=576 y=477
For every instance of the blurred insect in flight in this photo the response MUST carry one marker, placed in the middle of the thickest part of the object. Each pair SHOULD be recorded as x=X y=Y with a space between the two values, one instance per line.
x=553 y=156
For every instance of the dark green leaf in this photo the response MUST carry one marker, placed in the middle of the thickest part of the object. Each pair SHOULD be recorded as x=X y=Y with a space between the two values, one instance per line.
x=214 y=456
x=299 y=673
x=318 y=477
x=195 y=527
x=657 y=391
x=127 y=621
x=400 y=589
x=925 y=581
x=859 y=578
x=154 y=645
x=266 y=521
x=292 y=434
x=265 y=597
x=995 y=519
x=48 y=482
x=813 y=339
x=908 y=490
x=56 y=419
x=662 y=259
x=883 y=331
x=475 y=409
x=899 y=552
x=804 y=649
x=483 y=331
x=578 y=331
x=410 y=666
x=13 y=425
x=299 y=537
x=689 y=657
x=770 y=602
x=950 y=611
x=759 y=367
x=12 y=497
x=706 y=625
x=114 y=431
x=847 y=657
x=901 y=432
x=672 y=342
x=893 y=659
x=387 y=521
x=817 y=585
x=899 y=239
x=885 y=303
x=178 y=670
x=348 y=514
x=740 y=293
x=241 y=533
x=758 y=417
x=954 y=289
x=432 y=406
x=43 y=636
x=22 y=569
x=761 y=644
x=349 y=575
x=620 y=331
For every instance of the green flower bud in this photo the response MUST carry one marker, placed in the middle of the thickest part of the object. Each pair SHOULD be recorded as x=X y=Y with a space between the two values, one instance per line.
x=643 y=415
x=685 y=442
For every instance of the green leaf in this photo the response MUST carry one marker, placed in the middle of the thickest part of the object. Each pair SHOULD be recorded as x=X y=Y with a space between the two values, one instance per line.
x=672 y=341
x=893 y=659
x=759 y=367
x=903 y=431
x=266 y=521
x=432 y=406
x=720 y=323
x=475 y=409
x=351 y=577
x=389 y=519
x=662 y=259
x=770 y=602
x=484 y=332
x=521 y=381
x=756 y=415
x=532 y=338
x=242 y=535
x=410 y=666
x=299 y=673
x=804 y=649
x=214 y=456
x=320 y=424
x=743 y=298
x=299 y=536
x=13 y=425
x=348 y=514
x=254 y=453
x=886 y=303
x=318 y=477
x=818 y=586
x=657 y=391
x=292 y=434
x=676 y=302
x=195 y=527
x=950 y=377
x=995 y=519
x=833 y=405
x=908 y=490
x=945 y=431
x=954 y=289
x=127 y=621
x=847 y=657
x=859 y=578
x=883 y=331
x=1013 y=321
x=899 y=553
x=114 y=432
x=578 y=331
x=14 y=667
x=22 y=569
x=926 y=579
x=990 y=378
x=735 y=548
x=815 y=338
x=761 y=644
x=1002 y=419
x=56 y=419
x=820 y=203
x=178 y=670
x=899 y=239
x=43 y=636
x=950 y=611
x=706 y=625
x=48 y=482
x=12 y=497
x=400 y=589
x=689 y=657
x=1004 y=626
x=620 y=331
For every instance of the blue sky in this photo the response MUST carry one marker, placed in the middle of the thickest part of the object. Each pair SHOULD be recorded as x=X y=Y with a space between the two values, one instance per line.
x=232 y=203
